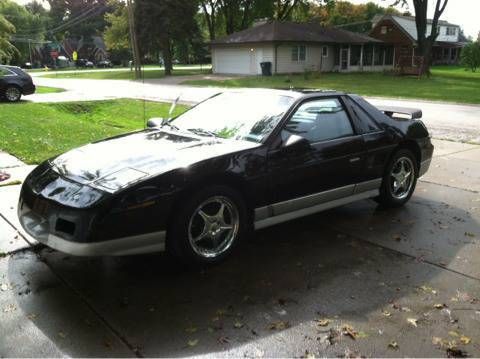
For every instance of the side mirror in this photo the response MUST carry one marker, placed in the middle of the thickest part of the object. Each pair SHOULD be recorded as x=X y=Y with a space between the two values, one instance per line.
x=296 y=142
x=155 y=122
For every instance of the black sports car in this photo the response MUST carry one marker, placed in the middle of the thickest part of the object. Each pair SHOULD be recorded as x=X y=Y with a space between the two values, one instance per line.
x=14 y=82
x=196 y=184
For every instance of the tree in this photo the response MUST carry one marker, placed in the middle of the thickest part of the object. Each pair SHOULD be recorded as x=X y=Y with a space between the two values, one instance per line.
x=161 y=22
x=7 y=50
x=425 y=41
x=80 y=19
x=116 y=34
x=29 y=27
x=470 y=56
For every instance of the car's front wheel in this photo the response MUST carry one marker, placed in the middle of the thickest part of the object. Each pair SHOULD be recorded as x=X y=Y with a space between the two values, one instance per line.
x=400 y=179
x=13 y=94
x=208 y=226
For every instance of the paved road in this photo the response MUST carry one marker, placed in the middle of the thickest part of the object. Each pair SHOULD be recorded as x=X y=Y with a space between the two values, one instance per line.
x=445 y=121
x=403 y=282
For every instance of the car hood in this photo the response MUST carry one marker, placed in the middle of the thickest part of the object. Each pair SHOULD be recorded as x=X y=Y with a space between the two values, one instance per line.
x=115 y=163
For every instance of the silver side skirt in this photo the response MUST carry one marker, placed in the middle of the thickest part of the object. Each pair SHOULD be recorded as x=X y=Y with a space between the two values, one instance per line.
x=147 y=243
x=300 y=207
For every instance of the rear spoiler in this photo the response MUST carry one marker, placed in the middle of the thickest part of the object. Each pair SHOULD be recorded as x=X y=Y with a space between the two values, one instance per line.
x=391 y=111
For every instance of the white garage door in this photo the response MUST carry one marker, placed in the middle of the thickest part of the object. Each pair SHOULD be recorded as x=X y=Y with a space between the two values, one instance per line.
x=235 y=61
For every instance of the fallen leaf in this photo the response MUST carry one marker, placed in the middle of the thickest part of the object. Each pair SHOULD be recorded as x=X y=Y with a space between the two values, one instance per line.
x=469 y=234
x=386 y=313
x=440 y=306
x=62 y=335
x=437 y=341
x=323 y=322
x=465 y=340
x=224 y=340
x=32 y=316
x=238 y=325
x=412 y=321
x=348 y=330
x=393 y=345
x=453 y=333
x=280 y=325
x=192 y=343
x=308 y=355
x=191 y=330
x=397 y=237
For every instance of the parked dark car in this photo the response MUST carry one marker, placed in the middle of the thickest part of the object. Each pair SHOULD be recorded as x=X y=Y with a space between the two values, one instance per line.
x=105 y=64
x=84 y=63
x=195 y=185
x=14 y=82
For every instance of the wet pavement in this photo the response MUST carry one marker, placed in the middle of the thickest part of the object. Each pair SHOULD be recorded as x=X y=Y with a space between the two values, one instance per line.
x=352 y=281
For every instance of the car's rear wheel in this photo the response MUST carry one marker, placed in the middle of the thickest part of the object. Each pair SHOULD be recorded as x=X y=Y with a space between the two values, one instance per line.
x=13 y=94
x=207 y=227
x=400 y=179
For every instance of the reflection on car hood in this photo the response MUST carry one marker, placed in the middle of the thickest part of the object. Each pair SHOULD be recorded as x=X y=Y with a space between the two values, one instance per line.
x=115 y=163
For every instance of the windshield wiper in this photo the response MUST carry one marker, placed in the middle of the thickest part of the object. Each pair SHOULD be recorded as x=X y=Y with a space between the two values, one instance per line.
x=170 y=124
x=202 y=132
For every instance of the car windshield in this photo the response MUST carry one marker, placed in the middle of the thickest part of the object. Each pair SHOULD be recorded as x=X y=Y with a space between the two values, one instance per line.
x=240 y=116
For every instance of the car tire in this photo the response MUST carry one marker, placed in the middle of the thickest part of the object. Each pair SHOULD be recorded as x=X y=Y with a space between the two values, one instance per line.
x=208 y=227
x=12 y=94
x=400 y=180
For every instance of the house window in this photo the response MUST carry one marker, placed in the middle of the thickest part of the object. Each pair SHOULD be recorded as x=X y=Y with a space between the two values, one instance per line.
x=368 y=55
x=389 y=55
x=451 y=31
x=299 y=53
x=383 y=30
x=324 y=51
x=355 y=53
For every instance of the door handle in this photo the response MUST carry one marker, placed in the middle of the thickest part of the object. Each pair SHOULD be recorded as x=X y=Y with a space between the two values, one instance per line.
x=354 y=159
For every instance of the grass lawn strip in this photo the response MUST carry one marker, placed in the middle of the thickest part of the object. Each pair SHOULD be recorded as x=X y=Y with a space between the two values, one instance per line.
x=35 y=132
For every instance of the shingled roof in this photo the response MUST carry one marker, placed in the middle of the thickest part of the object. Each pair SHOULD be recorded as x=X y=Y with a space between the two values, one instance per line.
x=277 y=31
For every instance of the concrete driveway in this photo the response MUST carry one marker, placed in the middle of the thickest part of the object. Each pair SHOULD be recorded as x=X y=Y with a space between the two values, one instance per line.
x=453 y=122
x=353 y=281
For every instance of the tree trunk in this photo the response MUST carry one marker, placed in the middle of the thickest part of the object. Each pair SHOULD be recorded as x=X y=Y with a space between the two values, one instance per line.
x=167 y=57
x=210 y=18
x=425 y=42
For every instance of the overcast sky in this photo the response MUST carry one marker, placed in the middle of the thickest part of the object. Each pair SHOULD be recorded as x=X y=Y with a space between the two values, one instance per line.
x=465 y=13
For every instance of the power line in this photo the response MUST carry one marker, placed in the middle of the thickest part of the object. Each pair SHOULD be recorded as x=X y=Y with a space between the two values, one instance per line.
x=87 y=14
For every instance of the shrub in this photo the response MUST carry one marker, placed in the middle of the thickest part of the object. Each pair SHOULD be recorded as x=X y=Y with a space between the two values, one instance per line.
x=470 y=56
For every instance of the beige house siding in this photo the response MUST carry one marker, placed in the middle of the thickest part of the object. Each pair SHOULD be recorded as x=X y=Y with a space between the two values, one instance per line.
x=313 y=59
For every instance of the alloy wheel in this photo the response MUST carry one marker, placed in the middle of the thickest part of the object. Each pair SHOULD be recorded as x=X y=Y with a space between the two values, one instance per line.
x=402 y=178
x=13 y=94
x=214 y=227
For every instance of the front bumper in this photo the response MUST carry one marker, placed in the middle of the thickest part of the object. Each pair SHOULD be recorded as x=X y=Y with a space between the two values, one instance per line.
x=41 y=229
x=81 y=231
x=29 y=89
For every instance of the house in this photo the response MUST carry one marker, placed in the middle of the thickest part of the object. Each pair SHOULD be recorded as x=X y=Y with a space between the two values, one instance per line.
x=294 y=48
x=401 y=32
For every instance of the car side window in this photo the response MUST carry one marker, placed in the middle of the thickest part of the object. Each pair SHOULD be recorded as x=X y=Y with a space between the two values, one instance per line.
x=366 y=123
x=319 y=120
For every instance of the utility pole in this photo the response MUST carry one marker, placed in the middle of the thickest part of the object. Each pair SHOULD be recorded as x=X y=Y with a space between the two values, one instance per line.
x=133 y=39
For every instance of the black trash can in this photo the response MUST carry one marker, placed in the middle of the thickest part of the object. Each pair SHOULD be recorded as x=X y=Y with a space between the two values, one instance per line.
x=266 y=68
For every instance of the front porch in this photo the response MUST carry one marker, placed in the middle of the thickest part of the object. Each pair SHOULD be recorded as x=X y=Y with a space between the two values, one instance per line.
x=367 y=57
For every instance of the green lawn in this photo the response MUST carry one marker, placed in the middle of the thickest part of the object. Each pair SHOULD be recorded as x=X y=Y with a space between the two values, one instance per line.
x=44 y=89
x=447 y=83
x=124 y=74
x=35 y=132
